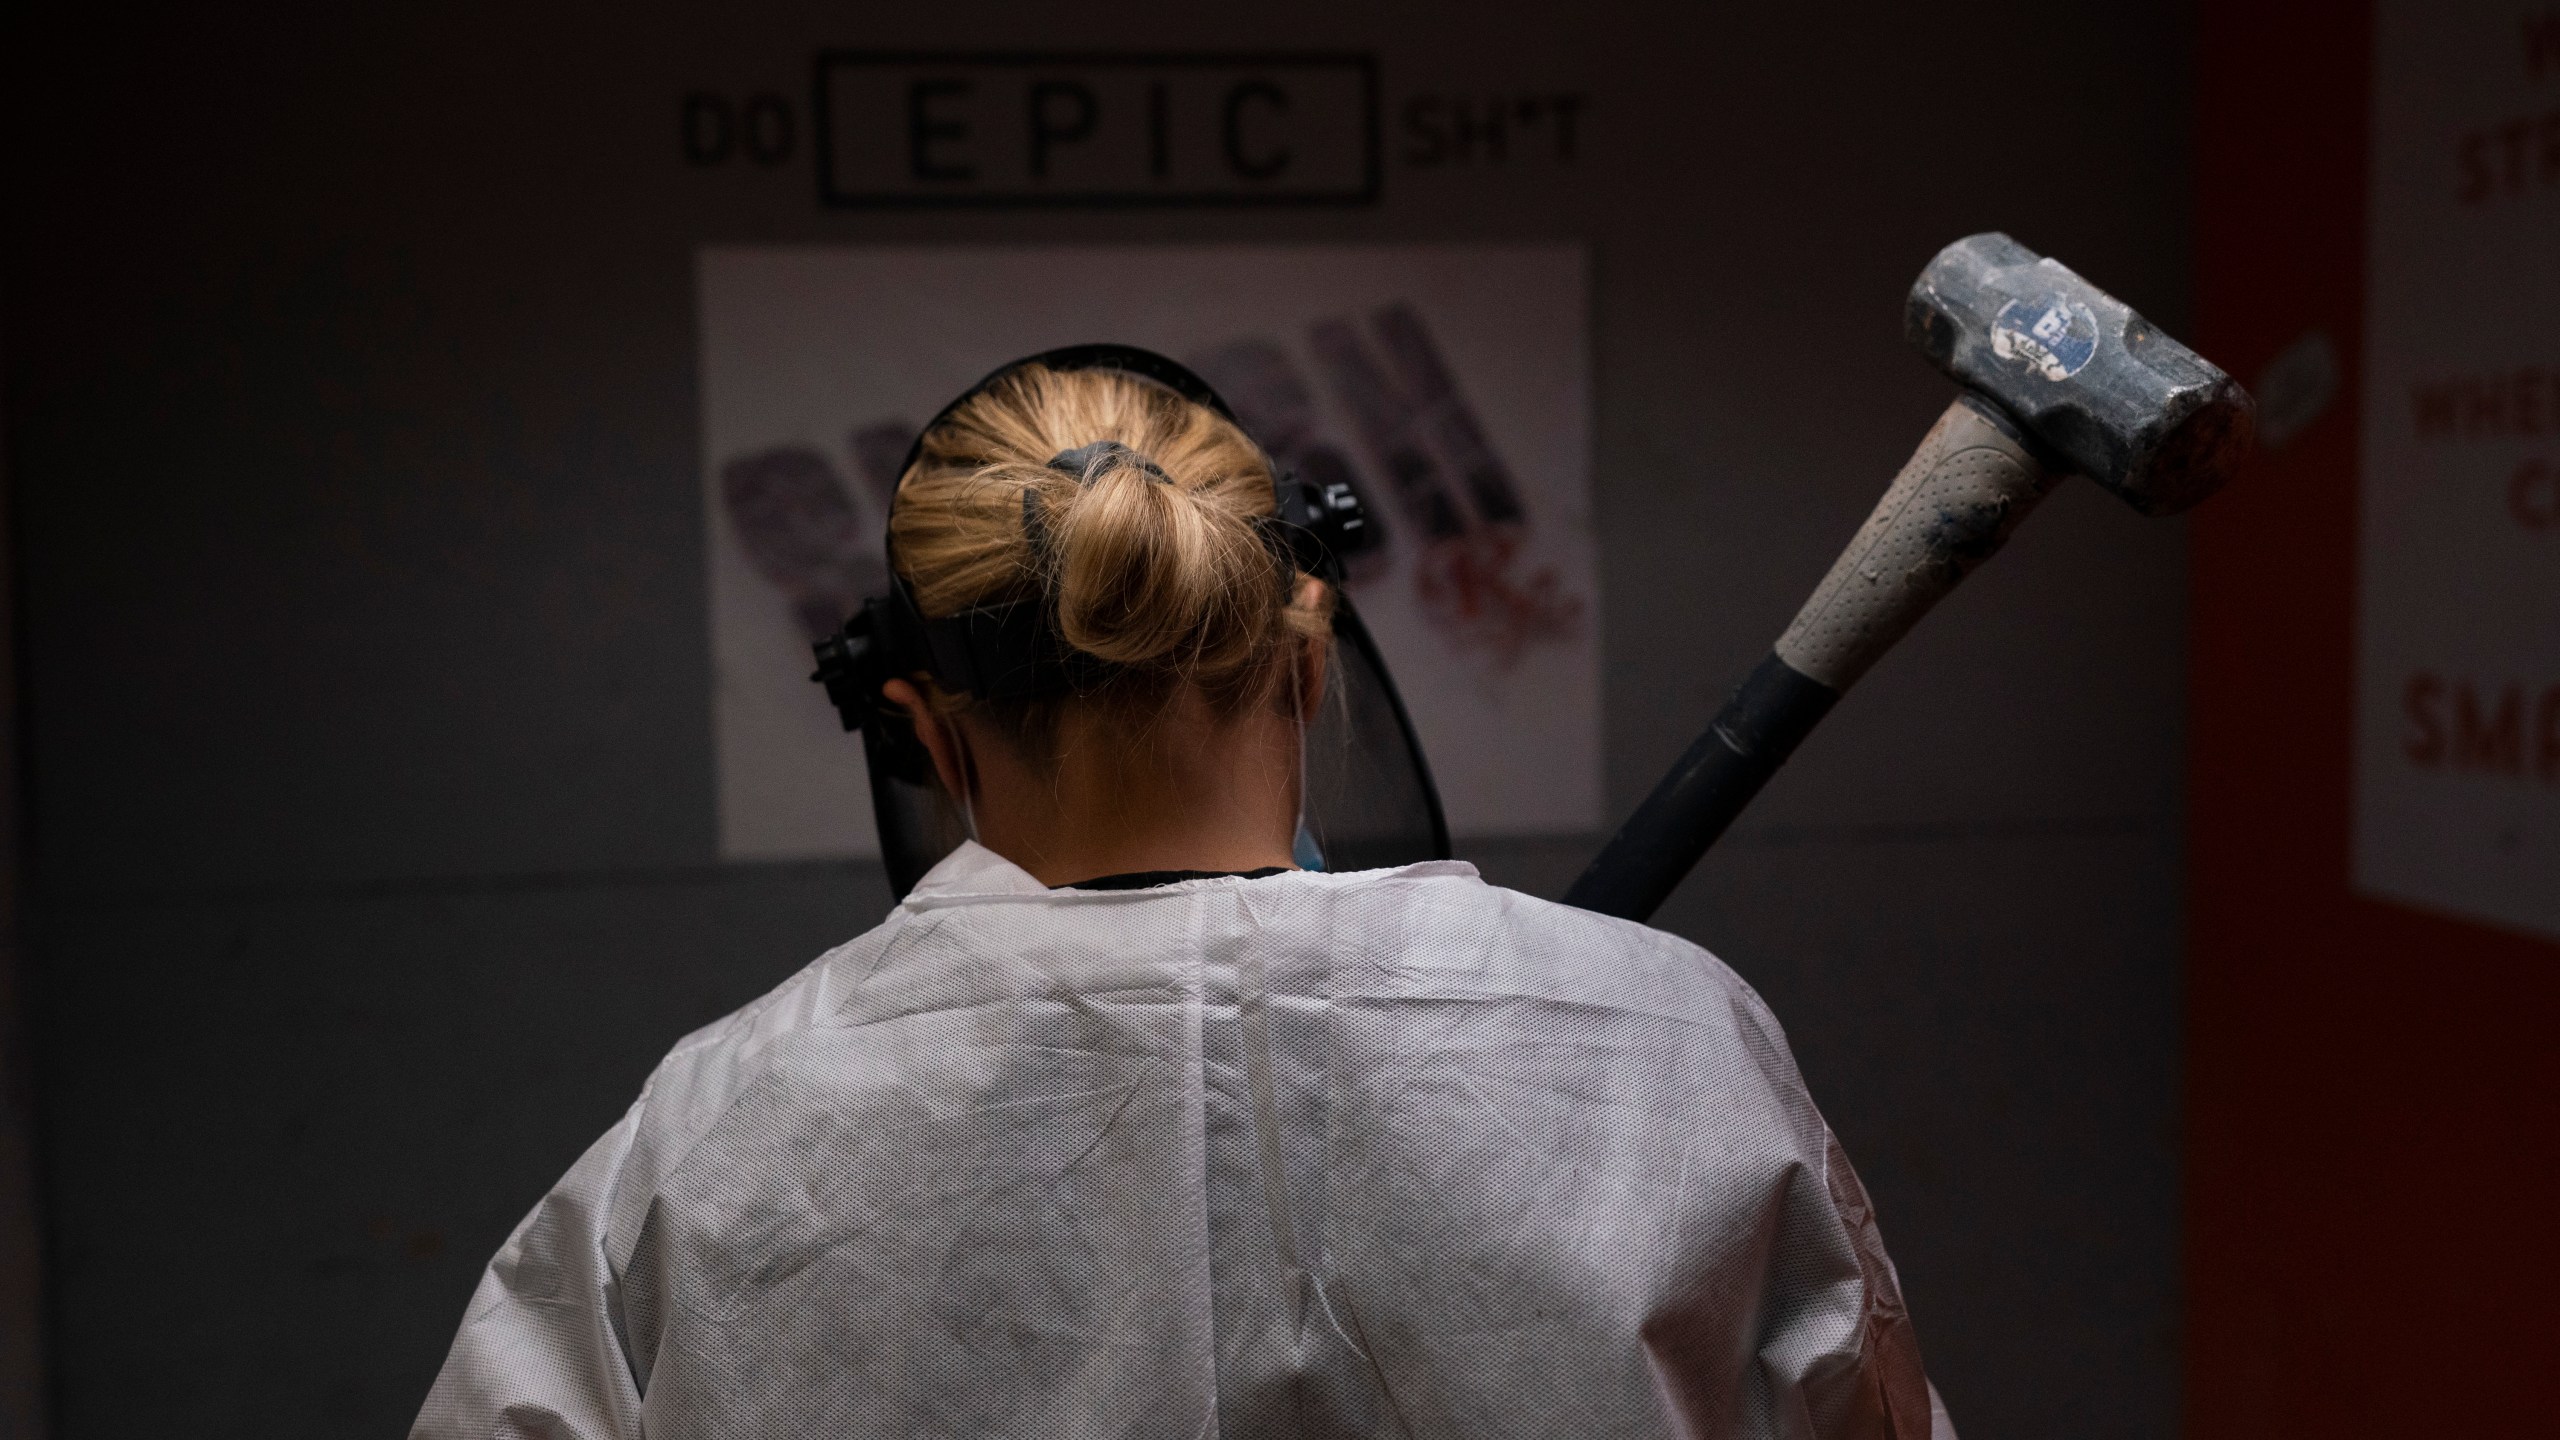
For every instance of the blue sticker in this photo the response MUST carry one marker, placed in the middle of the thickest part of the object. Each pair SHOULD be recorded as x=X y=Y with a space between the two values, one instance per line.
x=2054 y=336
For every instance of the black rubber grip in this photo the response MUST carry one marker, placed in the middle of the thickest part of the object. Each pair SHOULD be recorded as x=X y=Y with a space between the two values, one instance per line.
x=1752 y=736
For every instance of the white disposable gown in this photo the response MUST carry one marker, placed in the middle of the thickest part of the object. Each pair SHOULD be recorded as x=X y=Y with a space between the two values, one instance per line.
x=1393 y=1153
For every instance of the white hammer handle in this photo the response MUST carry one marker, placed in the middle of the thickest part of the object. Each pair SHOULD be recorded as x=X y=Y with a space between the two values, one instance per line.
x=1951 y=508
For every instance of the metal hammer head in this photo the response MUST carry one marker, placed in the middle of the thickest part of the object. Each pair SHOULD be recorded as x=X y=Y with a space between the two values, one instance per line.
x=2090 y=381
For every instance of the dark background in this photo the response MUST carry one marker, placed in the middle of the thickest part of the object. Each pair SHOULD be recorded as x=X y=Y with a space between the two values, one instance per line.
x=352 y=445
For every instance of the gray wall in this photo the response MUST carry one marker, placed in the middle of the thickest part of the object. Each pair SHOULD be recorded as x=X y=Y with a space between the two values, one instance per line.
x=352 y=423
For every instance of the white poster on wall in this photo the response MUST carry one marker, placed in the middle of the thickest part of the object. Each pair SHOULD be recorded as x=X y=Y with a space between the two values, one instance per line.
x=2458 y=704
x=1448 y=382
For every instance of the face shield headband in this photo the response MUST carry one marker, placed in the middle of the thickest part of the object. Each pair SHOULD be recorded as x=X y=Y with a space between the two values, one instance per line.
x=1370 y=800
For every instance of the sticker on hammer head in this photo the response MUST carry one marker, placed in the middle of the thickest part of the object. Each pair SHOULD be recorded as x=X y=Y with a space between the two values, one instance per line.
x=2054 y=336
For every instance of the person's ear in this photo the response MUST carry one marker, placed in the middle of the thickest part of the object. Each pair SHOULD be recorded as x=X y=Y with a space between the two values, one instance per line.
x=938 y=740
x=1316 y=652
x=1311 y=662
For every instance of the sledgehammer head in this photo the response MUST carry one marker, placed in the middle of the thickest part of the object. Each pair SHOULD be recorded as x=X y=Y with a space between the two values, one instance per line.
x=2095 y=384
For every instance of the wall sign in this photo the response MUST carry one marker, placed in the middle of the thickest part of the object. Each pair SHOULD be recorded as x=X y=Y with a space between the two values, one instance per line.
x=979 y=129
x=2458 y=734
x=995 y=129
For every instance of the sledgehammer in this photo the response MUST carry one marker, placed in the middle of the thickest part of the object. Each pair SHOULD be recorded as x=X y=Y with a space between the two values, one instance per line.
x=2060 y=378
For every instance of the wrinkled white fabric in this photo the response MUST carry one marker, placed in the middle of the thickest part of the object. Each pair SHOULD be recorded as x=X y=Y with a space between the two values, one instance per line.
x=1393 y=1153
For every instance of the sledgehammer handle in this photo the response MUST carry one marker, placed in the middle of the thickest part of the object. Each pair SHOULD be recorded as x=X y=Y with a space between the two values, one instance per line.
x=1952 y=507
x=1723 y=769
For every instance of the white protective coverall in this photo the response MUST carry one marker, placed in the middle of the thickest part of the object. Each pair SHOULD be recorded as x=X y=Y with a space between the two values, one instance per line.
x=1390 y=1153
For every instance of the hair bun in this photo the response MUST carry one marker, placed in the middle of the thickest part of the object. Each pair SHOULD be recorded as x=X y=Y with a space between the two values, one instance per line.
x=1138 y=512
x=1152 y=574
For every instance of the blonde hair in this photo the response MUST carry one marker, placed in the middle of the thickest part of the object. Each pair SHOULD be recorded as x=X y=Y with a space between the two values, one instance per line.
x=1152 y=556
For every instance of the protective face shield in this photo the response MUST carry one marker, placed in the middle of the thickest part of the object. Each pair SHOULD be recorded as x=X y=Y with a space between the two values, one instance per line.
x=1367 y=801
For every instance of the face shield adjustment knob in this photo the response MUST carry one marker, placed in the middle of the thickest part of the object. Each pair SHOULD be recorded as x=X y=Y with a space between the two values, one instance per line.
x=853 y=667
x=842 y=659
x=1324 y=526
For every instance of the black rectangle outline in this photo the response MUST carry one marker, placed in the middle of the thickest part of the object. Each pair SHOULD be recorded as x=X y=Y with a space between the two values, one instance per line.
x=821 y=132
